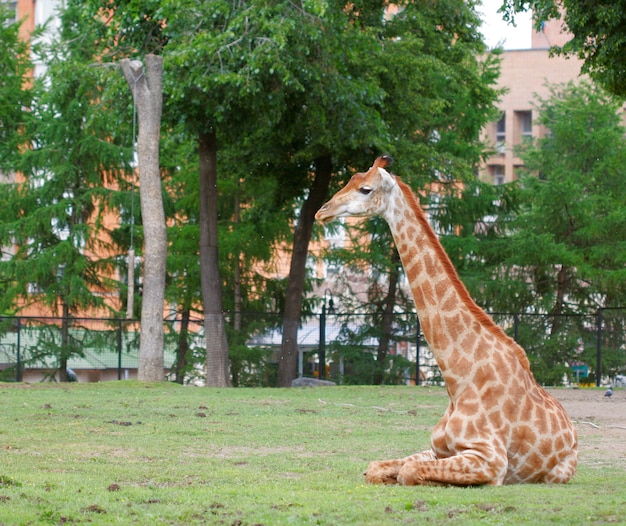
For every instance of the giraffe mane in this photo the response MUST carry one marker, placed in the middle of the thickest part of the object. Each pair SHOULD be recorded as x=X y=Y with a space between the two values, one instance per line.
x=484 y=319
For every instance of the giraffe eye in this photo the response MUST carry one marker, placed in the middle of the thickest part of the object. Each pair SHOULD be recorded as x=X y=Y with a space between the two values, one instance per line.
x=365 y=190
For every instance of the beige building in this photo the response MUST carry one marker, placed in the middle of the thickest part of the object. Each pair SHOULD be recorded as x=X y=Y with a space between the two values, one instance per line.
x=525 y=75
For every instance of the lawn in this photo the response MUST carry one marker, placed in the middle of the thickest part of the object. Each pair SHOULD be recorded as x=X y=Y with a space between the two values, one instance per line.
x=131 y=453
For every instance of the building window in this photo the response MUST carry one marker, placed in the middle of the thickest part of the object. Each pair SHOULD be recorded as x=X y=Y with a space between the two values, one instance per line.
x=497 y=173
x=331 y=269
x=501 y=134
x=527 y=123
x=524 y=126
x=10 y=9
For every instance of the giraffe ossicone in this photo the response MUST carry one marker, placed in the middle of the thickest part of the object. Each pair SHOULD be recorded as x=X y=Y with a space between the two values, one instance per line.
x=500 y=426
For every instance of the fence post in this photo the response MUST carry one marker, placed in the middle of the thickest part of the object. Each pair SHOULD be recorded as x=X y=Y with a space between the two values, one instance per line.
x=322 y=346
x=516 y=327
x=598 y=346
x=119 y=349
x=18 y=368
x=417 y=351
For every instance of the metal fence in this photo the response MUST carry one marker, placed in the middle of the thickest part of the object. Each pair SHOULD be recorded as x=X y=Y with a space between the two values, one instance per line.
x=588 y=349
x=580 y=348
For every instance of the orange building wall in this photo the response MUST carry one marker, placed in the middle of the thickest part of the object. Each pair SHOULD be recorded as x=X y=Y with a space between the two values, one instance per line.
x=26 y=12
x=525 y=74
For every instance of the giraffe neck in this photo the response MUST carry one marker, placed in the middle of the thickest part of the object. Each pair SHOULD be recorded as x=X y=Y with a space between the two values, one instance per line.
x=451 y=322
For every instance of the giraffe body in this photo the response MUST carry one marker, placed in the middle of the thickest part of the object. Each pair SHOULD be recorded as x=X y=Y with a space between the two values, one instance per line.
x=500 y=426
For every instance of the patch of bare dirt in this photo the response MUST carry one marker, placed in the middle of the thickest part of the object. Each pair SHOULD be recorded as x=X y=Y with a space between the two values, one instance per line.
x=601 y=425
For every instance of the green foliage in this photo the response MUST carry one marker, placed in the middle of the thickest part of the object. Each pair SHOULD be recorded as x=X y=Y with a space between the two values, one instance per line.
x=359 y=364
x=436 y=97
x=250 y=366
x=473 y=224
x=15 y=94
x=356 y=348
x=54 y=215
x=283 y=84
x=9 y=374
x=598 y=34
x=612 y=341
x=438 y=94
x=550 y=345
x=554 y=243
x=575 y=210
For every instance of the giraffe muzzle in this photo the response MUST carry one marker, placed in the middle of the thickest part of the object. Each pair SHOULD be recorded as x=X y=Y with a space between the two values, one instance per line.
x=322 y=214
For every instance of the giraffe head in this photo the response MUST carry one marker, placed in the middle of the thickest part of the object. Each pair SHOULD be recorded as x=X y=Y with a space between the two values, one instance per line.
x=363 y=196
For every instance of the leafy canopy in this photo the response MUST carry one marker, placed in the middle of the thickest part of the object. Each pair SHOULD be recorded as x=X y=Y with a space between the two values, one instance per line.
x=599 y=38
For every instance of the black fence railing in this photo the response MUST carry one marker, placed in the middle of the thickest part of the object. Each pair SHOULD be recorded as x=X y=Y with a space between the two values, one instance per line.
x=577 y=348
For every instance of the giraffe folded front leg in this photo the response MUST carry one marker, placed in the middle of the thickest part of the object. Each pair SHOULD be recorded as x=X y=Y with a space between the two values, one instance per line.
x=386 y=471
x=458 y=470
x=411 y=474
x=383 y=471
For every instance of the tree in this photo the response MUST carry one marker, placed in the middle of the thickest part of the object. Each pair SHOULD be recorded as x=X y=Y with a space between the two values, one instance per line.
x=274 y=80
x=214 y=323
x=250 y=219
x=221 y=71
x=146 y=87
x=200 y=106
x=598 y=37
x=15 y=92
x=436 y=96
x=242 y=55
x=52 y=213
x=179 y=167
x=297 y=271
x=557 y=245
x=256 y=218
x=271 y=84
x=598 y=34
x=576 y=199
x=474 y=224
x=395 y=100
x=331 y=118
x=575 y=217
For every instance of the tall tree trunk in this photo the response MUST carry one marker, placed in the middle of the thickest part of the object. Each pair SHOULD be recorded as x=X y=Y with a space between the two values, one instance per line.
x=297 y=271
x=146 y=86
x=387 y=323
x=211 y=284
x=237 y=269
x=235 y=364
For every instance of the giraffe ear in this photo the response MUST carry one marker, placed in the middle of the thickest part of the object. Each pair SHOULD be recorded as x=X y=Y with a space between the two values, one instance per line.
x=388 y=179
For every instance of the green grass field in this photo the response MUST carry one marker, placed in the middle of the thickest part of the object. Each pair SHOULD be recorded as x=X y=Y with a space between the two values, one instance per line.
x=130 y=453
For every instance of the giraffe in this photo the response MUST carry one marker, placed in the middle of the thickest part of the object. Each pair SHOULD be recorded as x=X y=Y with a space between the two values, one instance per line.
x=500 y=426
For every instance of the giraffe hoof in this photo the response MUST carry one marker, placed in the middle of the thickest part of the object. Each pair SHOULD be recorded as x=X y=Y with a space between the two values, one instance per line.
x=377 y=473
